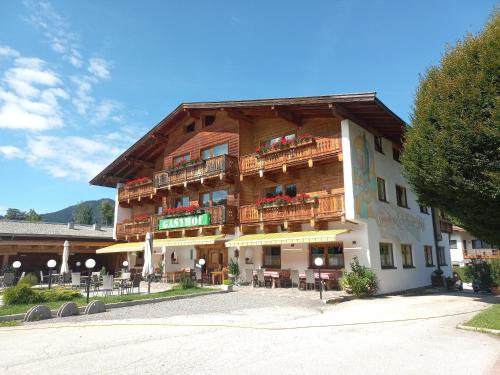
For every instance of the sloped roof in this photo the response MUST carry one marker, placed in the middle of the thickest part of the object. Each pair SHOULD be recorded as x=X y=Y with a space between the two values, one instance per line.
x=17 y=228
x=363 y=108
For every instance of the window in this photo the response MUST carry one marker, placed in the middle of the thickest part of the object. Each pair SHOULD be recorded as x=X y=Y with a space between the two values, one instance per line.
x=401 y=196
x=181 y=202
x=453 y=244
x=465 y=244
x=381 y=190
x=219 y=198
x=139 y=259
x=213 y=151
x=407 y=256
x=477 y=244
x=181 y=158
x=269 y=142
x=208 y=120
x=396 y=154
x=424 y=209
x=378 y=144
x=429 y=262
x=173 y=258
x=441 y=256
x=272 y=257
x=205 y=200
x=190 y=127
x=386 y=256
x=331 y=253
x=159 y=210
x=274 y=191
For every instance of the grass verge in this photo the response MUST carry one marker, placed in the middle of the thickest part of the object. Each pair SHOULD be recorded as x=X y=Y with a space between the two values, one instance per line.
x=10 y=323
x=488 y=318
x=82 y=301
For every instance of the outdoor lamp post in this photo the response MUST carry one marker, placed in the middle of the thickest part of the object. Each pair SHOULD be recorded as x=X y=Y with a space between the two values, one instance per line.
x=89 y=263
x=51 y=264
x=125 y=265
x=319 y=262
x=201 y=262
x=78 y=264
x=16 y=265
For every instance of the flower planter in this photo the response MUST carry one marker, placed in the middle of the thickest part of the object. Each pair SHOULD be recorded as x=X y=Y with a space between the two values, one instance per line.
x=227 y=288
x=283 y=147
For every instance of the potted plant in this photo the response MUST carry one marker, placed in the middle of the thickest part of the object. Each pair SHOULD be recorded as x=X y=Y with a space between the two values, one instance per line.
x=233 y=270
x=227 y=285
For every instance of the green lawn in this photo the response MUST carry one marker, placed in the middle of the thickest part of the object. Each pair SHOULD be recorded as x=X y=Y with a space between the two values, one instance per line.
x=82 y=301
x=10 y=323
x=489 y=318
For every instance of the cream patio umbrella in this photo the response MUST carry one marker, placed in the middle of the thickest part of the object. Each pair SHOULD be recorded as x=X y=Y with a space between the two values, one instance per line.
x=148 y=269
x=65 y=257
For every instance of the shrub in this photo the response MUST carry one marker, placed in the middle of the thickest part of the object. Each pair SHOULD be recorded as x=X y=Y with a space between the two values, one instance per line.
x=228 y=282
x=464 y=273
x=233 y=268
x=52 y=295
x=360 y=281
x=30 y=279
x=103 y=271
x=480 y=269
x=186 y=283
x=495 y=272
x=21 y=294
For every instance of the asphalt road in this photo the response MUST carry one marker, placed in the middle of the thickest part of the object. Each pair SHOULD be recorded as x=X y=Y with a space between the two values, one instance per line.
x=257 y=331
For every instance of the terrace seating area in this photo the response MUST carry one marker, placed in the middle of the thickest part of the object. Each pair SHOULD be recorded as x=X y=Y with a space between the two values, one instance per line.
x=308 y=279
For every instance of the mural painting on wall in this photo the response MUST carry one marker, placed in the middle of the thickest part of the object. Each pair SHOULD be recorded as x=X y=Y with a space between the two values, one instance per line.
x=390 y=219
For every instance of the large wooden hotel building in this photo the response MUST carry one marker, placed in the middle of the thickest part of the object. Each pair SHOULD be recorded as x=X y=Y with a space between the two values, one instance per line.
x=274 y=184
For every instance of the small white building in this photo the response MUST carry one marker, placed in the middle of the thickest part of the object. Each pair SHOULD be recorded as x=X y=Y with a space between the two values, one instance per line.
x=464 y=247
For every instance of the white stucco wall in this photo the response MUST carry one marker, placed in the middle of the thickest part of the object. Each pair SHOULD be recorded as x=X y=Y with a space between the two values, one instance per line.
x=380 y=221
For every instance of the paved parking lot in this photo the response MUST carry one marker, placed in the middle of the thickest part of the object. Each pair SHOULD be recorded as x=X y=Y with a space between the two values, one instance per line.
x=254 y=330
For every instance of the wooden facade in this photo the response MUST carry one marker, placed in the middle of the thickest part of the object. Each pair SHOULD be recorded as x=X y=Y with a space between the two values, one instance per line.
x=179 y=163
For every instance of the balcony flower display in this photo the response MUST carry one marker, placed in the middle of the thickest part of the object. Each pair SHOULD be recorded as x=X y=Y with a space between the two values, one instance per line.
x=138 y=181
x=182 y=211
x=183 y=164
x=141 y=219
x=284 y=144
x=283 y=200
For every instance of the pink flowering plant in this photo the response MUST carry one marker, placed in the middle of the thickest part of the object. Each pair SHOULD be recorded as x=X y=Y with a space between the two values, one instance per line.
x=284 y=143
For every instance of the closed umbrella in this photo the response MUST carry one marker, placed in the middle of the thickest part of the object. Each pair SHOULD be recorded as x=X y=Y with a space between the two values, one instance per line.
x=65 y=257
x=147 y=269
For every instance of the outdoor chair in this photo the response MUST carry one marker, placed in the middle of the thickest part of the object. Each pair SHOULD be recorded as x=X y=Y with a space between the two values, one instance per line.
x=8 y=279
x=249 y=276
x=107 y=284
x=310 y=279
x=126 y=275
x=198 y=274
x=75 y=280
x=261 y=280
x=135 y=283
x=43 y=278
x=22 y=275
x=294 y=277
x=95 y=281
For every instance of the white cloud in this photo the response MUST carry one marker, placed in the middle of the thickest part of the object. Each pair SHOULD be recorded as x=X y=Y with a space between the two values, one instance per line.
x=10 y=152
x=99 y=68
x=6 y=51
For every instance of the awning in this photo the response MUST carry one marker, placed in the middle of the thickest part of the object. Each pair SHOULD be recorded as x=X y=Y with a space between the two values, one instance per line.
x=167 y=242
x=122 y=248
x=187 y=241
x=312 y=236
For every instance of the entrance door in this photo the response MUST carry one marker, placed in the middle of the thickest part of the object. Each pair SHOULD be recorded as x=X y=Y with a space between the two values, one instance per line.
x=215 y=257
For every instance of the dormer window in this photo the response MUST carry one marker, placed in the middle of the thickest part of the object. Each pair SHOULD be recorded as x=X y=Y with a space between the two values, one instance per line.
x=190 y=127
x=208 y=120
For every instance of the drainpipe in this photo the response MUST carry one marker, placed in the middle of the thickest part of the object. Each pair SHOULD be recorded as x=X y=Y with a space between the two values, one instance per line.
x=436 y=240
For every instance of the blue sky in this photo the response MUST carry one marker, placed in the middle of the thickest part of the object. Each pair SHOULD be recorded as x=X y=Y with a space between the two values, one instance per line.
x=81 y=81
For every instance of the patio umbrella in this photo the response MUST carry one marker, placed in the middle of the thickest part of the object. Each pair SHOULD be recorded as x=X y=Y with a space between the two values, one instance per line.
x=64 y=263
x=147 y=269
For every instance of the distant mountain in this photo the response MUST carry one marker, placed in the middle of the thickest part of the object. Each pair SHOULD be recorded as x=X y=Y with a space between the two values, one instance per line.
x=66 y=214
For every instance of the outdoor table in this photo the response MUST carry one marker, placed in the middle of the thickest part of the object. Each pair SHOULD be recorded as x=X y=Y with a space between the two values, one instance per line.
x=274 y=275
x=121 y=281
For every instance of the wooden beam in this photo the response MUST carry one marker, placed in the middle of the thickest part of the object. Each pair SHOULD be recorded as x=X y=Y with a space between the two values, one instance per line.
x=237 y=115
x=136 y=161
x=287 y=115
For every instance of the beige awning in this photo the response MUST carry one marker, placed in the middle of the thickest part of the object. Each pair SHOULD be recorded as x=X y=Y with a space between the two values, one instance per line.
x=312 y=236
x=122 y=248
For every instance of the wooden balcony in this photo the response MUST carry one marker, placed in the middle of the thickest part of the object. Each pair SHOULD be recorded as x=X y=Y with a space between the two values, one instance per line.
x=481 y=254
x=219 y=215
x=322 y=208
x=307 y=154
x=445 y=225
x=222 y=167
x=133 y=229
x=137 y=192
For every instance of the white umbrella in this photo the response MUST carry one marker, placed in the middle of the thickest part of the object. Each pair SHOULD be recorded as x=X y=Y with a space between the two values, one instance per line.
x=64 y=263
x=148 y=269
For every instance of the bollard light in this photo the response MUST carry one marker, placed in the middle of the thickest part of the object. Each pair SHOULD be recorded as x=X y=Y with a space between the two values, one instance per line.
x=89 y=263
x=319 y=262
x=201 y=262
x=51 y=264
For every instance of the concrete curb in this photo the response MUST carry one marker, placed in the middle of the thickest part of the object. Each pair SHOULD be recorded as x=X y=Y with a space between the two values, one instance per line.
x=117 y=305
x=479 y=329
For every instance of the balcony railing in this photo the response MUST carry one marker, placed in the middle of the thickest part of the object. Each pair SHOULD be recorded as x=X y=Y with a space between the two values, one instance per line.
x=321 y=148
x=219 y=215
x=136 y=191
x=325 y=207
x=481 y=253
x=445 y=225
x=223 y=164
x=133 y=228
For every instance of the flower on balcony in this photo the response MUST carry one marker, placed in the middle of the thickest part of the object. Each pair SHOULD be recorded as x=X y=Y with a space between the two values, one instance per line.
x=284 y=143
x=138 y=181
x=282 y=200
x=181 y=211
x=182 y=164
x=138 y=220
